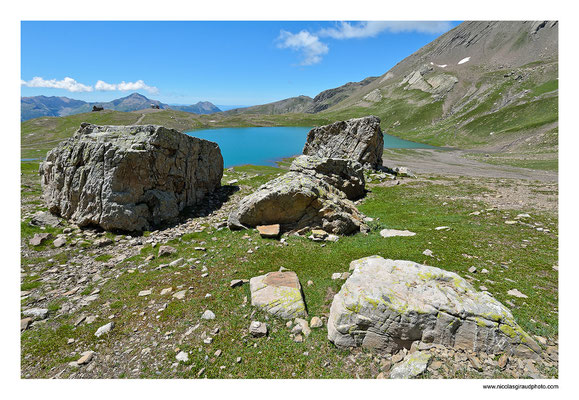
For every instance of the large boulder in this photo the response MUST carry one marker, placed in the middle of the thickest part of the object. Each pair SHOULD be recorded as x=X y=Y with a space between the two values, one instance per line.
x=306 y=197
x=128 y=177
x=343 y=174
x=359 y=139
x=386 y=305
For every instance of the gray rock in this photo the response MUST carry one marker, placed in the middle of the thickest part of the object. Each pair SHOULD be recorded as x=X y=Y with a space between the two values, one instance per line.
x=43 y=218
x=316 y=322
x=128 y=177
x=395 y=232
x=208 y=314
x=104 y=329
x=36 y=313
x=386 y=305
x=359 y=139
x=257 y=329
x=413 y=365
x=299 y=200
x=59 y=242
x=278 y=293
x=38 y=238
x=86 y=358
x=182 y=356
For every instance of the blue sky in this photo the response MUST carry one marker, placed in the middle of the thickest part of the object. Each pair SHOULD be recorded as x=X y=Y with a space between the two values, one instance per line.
x=227 y=63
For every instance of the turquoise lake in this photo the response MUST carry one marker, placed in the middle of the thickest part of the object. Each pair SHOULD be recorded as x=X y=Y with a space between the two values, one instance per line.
x=266 y=145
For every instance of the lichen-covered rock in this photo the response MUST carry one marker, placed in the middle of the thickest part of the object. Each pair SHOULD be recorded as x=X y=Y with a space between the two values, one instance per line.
x=278 y=293
x=306 y=197
x=412 y=366
x=386 y=305
x=128 y=177
x=359 y=139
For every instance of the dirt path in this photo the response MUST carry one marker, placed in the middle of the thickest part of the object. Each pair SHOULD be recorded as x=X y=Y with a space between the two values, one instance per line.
x=137 y=122
x=453 y=163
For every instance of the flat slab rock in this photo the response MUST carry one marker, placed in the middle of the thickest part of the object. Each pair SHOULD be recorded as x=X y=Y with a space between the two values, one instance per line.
x=395 y=232
x=278 y=293
x=128 y=178
x=385 y=305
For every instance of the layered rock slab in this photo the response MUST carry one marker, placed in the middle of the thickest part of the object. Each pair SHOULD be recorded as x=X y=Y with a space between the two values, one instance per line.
x=359 y=139
x=315 y=193
x=386 y=305
x=128 y=178
x=278 y=293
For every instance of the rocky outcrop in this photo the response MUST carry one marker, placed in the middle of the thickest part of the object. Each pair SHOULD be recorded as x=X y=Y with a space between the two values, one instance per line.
x=359 y=139
x=315 y=193
x=128 y=178
x=386 y=305
x=278 y=293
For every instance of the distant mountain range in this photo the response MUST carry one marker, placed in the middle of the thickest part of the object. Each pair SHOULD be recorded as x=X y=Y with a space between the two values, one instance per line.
x=43 y=106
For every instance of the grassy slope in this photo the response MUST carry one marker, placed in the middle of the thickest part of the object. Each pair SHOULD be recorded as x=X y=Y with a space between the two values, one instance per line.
x=484 y=241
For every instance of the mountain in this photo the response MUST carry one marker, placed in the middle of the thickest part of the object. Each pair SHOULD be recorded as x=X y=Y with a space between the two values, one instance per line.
x=39 y=106
x=487 y=84
x=292 y=105
x=202 y=107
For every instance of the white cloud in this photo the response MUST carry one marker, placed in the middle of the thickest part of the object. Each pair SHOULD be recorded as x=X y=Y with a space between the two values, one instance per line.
x=310 y=46
x=67 y=84
x=346 y=30
x=73 y=86
x=125 y=86
x=313 y=49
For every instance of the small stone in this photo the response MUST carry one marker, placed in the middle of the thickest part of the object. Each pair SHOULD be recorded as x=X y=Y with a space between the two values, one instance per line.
x=166 y=291
x=427 y=252
x=475 y=362
x=217 y=353
x=414 y=365
x=269 y=231
x=104 y=329
x=516 y=293
x=236 y=282
x=208 y=314
x=332 y=238
x=440 y=228
x=145 y=292
x=310 y=283
x=395 y=232
x=59 y=242
x=484 y=271
x=70 y=341
x=208 y=340
x=503 y=360
x=176 y=262
x=180 y=295
x=316 y=322
x=257 y=329
x=166 y=250
x=483 y=288
x=25 y=323
x=436 y=365
x=36 y=313
x=472 y=270
x=182 y=356
x=238 y=360
x=397 y=357
x=304 y=325
x=298 y=338
x=336 y=275
x=86 y=358
x=510 y=222
x=200 y=249
x=38 y=238
x=319 y=233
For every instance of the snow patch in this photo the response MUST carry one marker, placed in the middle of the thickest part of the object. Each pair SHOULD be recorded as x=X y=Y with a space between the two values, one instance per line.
x=439 y=66
x=467 y=59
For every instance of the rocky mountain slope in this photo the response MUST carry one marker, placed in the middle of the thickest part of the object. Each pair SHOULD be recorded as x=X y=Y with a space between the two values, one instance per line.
x=42 y=106
x=490 y=84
